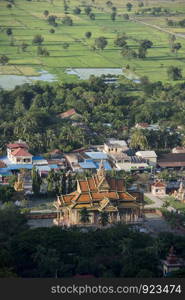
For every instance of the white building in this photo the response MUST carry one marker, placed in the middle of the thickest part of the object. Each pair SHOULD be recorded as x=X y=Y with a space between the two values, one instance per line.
x=73 y=161
x=18 y=153
x=149 y=156
x=178 y=150
x=115 y=146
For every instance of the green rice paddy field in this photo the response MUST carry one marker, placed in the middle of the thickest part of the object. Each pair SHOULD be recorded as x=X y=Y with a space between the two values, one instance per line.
x=26 y=19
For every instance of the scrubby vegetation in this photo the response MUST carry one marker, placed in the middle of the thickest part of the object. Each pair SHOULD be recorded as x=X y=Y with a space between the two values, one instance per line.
x=119 y=251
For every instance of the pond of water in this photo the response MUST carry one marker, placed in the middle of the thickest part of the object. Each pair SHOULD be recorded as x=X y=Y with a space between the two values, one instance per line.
x=9 y=82
x=85 y=73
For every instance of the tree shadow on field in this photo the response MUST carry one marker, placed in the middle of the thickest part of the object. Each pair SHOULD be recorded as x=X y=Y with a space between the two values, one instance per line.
x=66 y=56
x=163 y=58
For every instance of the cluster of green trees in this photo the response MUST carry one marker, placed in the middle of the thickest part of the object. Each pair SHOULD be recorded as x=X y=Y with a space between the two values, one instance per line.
x=175 y=219
x=4 y=59
x=119 y=251
x=6 y=193
x=154 y=11
x=30 y=112
x=144 y=45
x=58 y=182
x=175 y=23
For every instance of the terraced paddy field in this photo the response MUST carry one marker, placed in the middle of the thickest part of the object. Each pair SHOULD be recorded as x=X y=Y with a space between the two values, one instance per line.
x=26 y=19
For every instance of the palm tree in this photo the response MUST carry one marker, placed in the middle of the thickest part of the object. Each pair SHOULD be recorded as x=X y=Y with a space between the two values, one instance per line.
x=84 y=216
x=104 y=218
x=138 y=140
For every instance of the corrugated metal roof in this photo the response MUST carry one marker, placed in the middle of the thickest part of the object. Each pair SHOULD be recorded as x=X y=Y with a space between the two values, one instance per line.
x=5 y=172
x=53 y=166
x=88 y=164
x=19 y=166
x=43 y=168
x=38 y=158
x=146 y=153
x=96 y=155
x=46 y=167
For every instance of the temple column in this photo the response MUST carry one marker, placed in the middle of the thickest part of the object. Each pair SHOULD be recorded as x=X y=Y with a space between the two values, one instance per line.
x=126 y=216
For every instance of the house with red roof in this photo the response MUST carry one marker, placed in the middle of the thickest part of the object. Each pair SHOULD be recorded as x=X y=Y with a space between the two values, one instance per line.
x=141 y=125
x=158 y=188
x=69 y=114
x=17 y=153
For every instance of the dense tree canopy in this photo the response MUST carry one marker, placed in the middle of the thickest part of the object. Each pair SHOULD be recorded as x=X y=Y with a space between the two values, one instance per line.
x=31 y=112
x=118 y=251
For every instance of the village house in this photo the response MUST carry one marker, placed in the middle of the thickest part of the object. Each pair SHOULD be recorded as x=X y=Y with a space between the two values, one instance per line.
x=134 y=163
x=18 y=157
x=158 y=189
x=73 y=160
x=172 y=160
x=141 y=125
x=117 y=152
x=18 y=153
x=56 y=153
x=70 y=114
x=147 y=126
x=178 y=150
x=95 y=158
x=97 y=194
x=149 y=156
x=115 y=146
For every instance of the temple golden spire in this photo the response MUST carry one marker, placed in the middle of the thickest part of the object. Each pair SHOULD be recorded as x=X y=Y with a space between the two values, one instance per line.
x=101 y=171
x=18 y=185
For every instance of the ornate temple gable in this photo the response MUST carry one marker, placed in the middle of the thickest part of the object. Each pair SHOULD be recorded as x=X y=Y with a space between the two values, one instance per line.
x=138 y=196
x=126 y=196
x=111 y=208
x=91 y=184
x=103 y=185
x=82 y=186
x=78 y=187
x=103 y=203
x=83 y=198
x=67 y=200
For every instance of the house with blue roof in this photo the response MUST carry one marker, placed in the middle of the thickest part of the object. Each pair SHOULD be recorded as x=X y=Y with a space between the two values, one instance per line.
x=19 y=158
x=97 y=156
x=93 y=161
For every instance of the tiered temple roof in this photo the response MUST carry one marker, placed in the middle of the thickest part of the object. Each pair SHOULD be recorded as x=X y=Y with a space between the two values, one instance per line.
x=99 y=192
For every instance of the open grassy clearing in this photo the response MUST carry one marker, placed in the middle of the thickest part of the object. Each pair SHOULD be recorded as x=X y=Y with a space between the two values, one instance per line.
x=26 y=20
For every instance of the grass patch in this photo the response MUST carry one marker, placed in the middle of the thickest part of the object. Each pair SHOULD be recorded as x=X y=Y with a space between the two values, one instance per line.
x=44 y=206
x=175 y=203
x=148 y=201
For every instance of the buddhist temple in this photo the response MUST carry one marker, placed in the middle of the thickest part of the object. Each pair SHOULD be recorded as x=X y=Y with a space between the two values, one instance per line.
x=98 y=194
x=180 y=193
x=172 y=262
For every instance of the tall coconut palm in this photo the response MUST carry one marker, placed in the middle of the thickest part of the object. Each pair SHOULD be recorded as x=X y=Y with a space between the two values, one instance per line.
x=84 y=216
x=138 y=140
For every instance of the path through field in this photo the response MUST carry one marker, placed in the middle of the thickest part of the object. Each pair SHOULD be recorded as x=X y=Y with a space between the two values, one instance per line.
x=179 y=35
